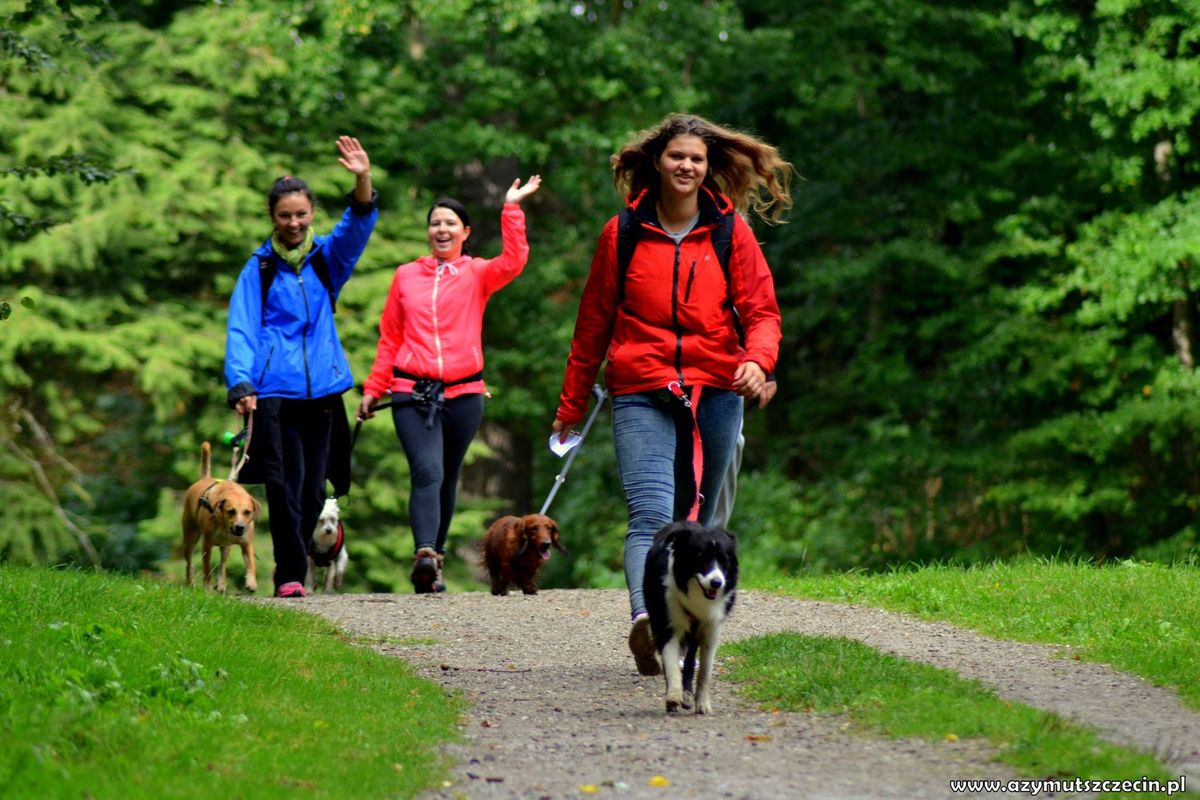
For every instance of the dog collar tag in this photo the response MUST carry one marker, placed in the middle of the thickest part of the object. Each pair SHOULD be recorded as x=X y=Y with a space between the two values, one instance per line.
x=561 y=448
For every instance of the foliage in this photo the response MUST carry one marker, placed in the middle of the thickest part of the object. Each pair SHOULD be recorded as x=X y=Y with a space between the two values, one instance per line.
x=990 y=324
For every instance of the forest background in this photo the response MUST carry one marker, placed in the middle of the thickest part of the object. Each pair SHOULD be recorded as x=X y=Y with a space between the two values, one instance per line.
x=990 y=322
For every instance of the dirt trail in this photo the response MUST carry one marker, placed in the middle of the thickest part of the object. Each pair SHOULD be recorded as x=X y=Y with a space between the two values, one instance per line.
x=556 y=704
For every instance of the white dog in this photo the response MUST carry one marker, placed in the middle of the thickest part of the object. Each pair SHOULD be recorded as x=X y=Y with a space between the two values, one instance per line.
x=327 y=548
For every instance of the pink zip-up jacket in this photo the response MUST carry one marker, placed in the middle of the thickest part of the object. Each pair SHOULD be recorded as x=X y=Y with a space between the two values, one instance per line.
x=432 y=323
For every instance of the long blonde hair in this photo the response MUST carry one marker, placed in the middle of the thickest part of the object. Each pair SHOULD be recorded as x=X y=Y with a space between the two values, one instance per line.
x=747 y=170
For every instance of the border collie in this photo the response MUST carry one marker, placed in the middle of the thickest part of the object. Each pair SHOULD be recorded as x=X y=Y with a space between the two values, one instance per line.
x=690 y=583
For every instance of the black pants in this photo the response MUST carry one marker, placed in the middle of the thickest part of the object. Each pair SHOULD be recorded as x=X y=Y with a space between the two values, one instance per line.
x=435 y=457
x=295 y=501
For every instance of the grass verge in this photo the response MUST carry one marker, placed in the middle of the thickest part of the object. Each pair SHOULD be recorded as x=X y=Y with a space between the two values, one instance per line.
x=1140 y=618
x=114 y=687
x=898 y=698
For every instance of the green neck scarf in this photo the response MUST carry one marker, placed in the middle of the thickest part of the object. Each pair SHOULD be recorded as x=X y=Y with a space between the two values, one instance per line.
x=294 y=257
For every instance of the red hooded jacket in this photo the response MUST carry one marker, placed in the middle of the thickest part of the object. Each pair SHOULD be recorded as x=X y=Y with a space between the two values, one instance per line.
x=674 y=324
x=432 y=323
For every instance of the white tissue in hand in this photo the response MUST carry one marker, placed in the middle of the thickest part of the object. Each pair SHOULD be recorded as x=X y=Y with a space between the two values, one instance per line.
x=561 y=448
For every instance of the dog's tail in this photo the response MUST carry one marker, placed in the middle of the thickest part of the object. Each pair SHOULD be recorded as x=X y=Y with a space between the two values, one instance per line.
x=472 y=554
x=205 y=460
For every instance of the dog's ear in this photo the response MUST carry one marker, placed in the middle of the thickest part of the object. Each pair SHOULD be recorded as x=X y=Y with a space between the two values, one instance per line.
x=554 y=538
x=523 y=529
x=672 y=531
x=257 y=505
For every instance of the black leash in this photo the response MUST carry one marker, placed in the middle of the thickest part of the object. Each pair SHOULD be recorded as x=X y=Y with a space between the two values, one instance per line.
x=358 y=424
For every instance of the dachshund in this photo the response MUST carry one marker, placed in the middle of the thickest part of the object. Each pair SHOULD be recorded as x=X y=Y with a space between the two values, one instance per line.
x=515 y=548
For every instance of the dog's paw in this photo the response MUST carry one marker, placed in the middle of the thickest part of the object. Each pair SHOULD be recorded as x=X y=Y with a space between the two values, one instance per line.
x=673 y=706
x=674 y=701
x=688 y=700
x=704 y=705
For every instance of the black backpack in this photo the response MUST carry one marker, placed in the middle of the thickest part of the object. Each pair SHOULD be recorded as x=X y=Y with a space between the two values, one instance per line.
x=268 y=268
x=629 y=232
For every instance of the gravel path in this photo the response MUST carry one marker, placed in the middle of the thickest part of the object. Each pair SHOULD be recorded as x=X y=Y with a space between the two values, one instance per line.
x=556 y=704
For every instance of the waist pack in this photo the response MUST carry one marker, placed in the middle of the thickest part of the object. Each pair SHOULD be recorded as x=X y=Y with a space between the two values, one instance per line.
x=429 y=394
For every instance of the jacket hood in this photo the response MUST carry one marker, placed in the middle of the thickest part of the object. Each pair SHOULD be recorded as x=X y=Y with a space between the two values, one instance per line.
x=713 y=205
x=430 y=262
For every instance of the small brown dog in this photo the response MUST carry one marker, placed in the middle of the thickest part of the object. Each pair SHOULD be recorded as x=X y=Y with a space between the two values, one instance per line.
x=222 y=514
x=515 y=548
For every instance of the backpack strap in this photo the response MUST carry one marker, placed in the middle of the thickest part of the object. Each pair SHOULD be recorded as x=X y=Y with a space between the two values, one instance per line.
x=321 y=267
x=722 y=242
x=629 y=231
x=268 y=268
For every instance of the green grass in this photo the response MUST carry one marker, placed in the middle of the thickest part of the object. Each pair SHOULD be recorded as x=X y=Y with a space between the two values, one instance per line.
x=899 y=698
x=112 y=687
x=1139 y=618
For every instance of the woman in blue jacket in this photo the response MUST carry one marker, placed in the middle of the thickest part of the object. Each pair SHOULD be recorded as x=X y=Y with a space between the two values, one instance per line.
x=284 y=361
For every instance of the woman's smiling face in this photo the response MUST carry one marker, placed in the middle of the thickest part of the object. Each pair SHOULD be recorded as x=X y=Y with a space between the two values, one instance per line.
x=291 y=217
x=446 y=234
x=683 y=165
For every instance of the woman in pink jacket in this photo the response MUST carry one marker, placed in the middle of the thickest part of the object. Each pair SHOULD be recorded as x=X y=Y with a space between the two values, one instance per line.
x=430 y=358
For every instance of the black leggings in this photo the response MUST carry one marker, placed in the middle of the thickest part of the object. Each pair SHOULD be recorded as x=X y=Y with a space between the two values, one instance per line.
x=435 y=457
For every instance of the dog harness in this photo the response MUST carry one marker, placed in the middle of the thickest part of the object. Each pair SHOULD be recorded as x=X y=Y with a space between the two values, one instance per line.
x=203 y=501
x=327 y=558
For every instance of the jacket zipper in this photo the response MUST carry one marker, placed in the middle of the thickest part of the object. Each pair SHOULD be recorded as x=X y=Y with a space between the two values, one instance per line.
x=687 y=293
x=304 y=337
x=437 y=338
x=675 y=315
x=266 y=366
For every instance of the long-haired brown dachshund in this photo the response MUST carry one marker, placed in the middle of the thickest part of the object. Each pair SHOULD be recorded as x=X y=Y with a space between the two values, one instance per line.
x=515 y=548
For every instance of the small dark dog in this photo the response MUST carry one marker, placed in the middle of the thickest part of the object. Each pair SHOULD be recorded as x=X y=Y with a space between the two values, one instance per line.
x=690 y=584
x=515 y=548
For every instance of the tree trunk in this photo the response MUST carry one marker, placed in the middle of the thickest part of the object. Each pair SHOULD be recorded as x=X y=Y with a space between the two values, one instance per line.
x=1182 y=332
x=504 y=473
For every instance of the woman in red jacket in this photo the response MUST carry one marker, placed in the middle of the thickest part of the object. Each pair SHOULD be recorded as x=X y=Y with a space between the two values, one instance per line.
x=686 y=331
x=430 y=358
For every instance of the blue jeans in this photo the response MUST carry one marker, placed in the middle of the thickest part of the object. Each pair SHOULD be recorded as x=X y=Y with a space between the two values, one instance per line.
x=654 y=458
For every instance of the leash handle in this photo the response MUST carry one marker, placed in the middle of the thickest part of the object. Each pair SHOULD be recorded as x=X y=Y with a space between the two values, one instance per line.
x=236 y=462
x=561 y=477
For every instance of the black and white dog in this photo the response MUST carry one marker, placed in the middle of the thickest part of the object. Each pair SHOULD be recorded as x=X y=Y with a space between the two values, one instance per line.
x=690 y=581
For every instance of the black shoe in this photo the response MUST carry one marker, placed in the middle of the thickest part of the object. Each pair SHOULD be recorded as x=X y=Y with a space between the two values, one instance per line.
x=424 y=572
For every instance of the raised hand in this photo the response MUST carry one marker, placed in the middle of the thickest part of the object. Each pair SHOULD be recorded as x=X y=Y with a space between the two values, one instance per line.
x=354 y=157
x=516 y=193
